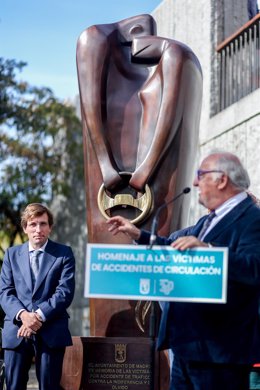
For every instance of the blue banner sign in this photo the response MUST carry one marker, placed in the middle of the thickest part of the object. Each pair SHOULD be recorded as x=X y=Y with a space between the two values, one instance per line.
x=158 y=274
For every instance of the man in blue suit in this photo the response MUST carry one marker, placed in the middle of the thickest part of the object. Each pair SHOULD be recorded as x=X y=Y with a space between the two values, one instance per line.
x=215 y=345
x=36 y=287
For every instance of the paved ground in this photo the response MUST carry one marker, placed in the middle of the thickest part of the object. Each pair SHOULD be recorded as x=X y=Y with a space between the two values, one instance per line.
x=32 y=384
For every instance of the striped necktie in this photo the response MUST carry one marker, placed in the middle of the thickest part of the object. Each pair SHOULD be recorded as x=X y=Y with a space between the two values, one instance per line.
x=206 y=224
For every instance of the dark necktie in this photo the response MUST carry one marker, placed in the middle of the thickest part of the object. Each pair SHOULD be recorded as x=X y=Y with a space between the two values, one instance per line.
x=34 y=260
x=206 y=224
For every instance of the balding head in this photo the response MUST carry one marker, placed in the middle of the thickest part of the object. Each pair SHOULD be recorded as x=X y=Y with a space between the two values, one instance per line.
x=220 y=177
x=232 y=167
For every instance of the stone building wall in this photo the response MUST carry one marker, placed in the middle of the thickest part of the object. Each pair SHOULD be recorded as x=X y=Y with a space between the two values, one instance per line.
x=202 y=25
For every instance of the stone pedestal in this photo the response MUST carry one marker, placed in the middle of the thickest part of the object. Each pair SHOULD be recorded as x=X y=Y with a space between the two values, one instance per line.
x=114 y=363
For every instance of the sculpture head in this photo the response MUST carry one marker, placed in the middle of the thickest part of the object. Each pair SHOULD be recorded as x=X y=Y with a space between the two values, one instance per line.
x=136 y=26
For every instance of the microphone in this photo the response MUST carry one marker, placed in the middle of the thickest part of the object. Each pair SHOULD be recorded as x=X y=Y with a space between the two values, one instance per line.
x=156 y=216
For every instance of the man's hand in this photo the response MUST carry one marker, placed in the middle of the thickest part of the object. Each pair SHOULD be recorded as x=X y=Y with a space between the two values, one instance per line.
x=25 y=332
x=187 y=242
x=122 y=225
x=30 y=320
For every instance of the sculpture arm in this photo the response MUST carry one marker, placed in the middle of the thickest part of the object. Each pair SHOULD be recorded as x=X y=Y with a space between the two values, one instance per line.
x=171 y=82
x=92 y=54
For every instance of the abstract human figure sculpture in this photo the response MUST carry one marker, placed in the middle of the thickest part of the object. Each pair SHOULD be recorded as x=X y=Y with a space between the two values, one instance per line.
x=140 y=101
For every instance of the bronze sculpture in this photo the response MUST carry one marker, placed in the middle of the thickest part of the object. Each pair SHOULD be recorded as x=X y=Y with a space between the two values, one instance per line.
x=140 y=101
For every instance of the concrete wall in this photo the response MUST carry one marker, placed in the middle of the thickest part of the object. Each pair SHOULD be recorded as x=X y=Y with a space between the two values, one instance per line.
x=202 y=25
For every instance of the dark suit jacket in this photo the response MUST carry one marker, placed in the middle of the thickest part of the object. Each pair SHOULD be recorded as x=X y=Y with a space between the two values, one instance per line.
x=53 y=292
x=221 y=332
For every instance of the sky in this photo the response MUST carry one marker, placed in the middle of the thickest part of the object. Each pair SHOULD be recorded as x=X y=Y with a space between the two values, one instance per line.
x=44 y=33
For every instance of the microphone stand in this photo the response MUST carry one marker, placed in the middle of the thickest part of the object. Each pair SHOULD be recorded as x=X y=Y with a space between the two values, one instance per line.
x=152 y=334
x=152 y=319
x=154 y=228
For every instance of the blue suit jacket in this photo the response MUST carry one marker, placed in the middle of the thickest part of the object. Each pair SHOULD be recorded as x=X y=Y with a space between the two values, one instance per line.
x=221 y=332
x=53 y=292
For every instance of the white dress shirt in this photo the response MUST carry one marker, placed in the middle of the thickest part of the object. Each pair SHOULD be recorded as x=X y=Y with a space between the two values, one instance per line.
x=225 y=208
x=39 y=311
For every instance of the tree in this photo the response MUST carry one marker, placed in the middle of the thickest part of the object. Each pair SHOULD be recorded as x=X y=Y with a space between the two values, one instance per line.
x=37 y=134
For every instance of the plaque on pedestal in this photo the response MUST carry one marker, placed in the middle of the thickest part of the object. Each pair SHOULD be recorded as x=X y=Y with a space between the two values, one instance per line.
x=114 y=363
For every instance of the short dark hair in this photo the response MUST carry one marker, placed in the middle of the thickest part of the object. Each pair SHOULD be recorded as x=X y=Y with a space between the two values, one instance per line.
x=33 y=210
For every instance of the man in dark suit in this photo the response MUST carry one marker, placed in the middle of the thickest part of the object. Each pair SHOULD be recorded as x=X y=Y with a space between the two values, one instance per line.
x=214 y=345
x=36 y=287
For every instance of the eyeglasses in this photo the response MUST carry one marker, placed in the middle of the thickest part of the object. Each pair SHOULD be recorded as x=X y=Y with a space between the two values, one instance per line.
x=201 y=172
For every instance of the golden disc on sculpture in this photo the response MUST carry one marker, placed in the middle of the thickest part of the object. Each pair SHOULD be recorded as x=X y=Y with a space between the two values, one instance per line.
x=144 y=203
